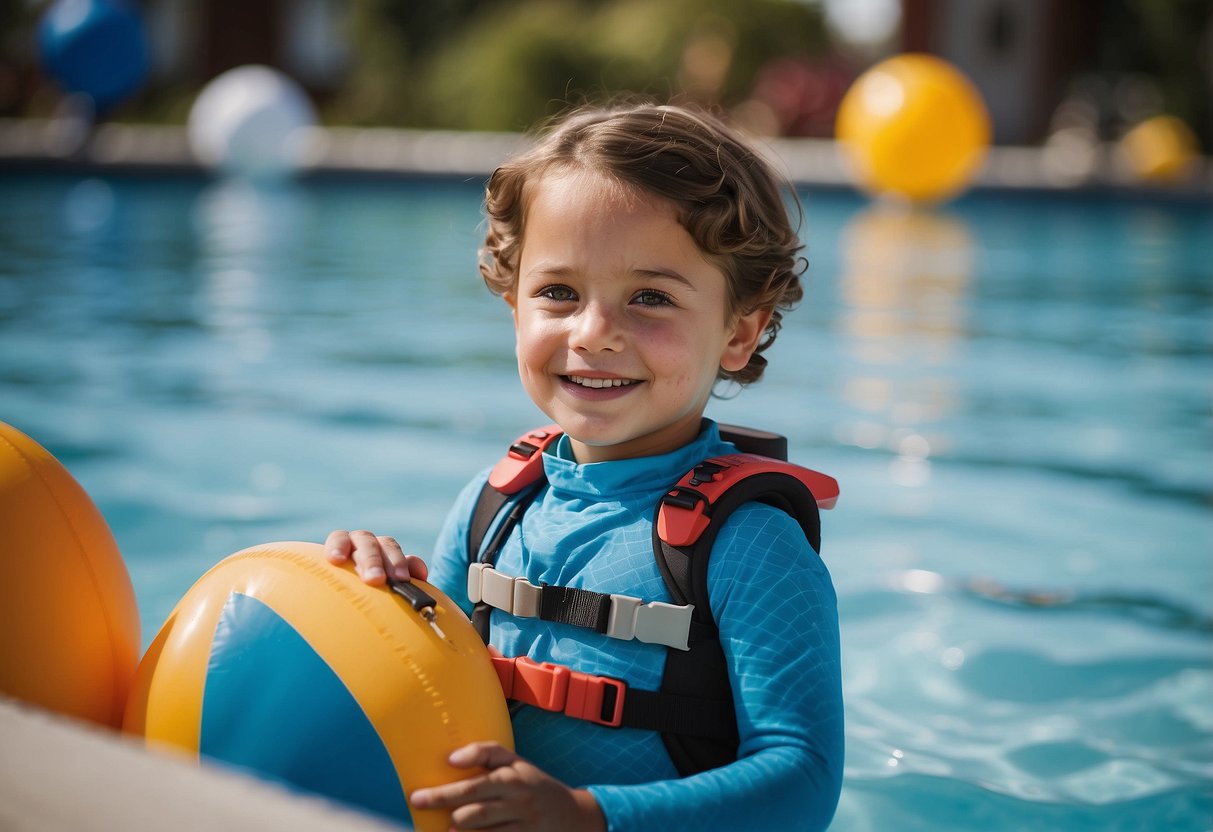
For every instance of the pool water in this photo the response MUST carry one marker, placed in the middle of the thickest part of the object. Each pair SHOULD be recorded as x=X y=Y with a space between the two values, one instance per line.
x=1014 y=391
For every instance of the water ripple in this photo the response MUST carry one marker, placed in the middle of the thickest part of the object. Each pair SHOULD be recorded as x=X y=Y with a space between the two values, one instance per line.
x=993 y=709
x=960 y=805
x=1149 y=609
x=1152 y=610
x=1026 y=677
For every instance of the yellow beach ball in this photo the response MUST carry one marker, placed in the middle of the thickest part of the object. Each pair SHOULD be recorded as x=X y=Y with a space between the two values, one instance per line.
x=1160 y=149
x=914 y=126
x=278 y=662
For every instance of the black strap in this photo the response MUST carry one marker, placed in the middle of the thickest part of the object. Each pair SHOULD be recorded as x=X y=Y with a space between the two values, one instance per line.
x=690 y=716
x=488 y=505
x=754 y=441
x=579 y=607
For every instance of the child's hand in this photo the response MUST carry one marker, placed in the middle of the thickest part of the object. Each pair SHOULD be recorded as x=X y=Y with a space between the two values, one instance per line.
x=512 y=795
x=372 y=555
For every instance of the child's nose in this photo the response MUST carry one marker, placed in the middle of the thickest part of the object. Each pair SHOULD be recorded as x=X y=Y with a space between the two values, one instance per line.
x=597 y=328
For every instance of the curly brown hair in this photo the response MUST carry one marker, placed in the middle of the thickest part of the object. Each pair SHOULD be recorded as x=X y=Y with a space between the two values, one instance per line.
x=728 y=197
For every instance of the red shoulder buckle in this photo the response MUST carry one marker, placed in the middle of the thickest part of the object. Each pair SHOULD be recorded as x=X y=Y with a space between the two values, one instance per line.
x=686 y=509
x=554 y=687
x=523 y=464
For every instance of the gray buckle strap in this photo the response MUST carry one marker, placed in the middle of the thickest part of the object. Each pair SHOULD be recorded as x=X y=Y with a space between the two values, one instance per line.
x=618 y=616
x=517 y=596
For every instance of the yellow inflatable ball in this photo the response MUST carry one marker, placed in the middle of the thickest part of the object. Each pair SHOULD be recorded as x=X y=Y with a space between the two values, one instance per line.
x=279 y=662
x=69 y=626
x=914 y=126
x=1160 y=149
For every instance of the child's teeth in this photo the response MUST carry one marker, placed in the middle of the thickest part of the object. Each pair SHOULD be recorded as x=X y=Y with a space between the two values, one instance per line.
x=598 y=383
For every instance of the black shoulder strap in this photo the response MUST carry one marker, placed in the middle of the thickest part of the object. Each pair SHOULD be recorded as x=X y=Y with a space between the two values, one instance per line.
x=754 y=441
x=702 y=671
x=488 y=505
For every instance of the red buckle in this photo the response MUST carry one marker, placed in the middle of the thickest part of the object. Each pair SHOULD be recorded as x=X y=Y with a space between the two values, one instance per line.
x=685 y=512
x=682 y=528
x=523 y=464
x=554 y=687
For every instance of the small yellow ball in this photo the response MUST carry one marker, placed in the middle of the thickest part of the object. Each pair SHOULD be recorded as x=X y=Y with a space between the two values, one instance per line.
x=914 y=126
x=1160 y=149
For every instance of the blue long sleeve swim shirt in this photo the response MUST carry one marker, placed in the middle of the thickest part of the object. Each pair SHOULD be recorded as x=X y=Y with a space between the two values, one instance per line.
x=773 y=601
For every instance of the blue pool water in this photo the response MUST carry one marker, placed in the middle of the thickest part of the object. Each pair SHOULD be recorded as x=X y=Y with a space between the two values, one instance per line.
x=1014 y=391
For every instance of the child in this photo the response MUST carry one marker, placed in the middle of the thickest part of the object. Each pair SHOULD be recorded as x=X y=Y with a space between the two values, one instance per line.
x=646 y=253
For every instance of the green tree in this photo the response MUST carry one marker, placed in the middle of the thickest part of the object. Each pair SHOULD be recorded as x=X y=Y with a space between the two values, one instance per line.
x=504 y=65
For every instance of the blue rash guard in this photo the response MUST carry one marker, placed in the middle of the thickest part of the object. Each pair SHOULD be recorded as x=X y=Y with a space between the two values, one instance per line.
x=772 y=597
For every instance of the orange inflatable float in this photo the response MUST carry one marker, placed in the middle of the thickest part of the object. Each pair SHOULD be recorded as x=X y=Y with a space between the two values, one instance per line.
x=69 y=626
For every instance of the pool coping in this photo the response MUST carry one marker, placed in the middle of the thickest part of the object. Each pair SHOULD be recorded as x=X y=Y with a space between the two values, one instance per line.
x=61 y=773
x=383 y=153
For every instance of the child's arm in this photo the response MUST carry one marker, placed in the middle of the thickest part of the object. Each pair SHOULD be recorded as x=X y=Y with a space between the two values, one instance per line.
x=775 y=605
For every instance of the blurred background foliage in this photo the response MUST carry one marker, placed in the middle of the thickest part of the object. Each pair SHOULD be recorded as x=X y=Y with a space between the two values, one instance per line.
x=1169 y=44
x=778 y=67
x=498 y=65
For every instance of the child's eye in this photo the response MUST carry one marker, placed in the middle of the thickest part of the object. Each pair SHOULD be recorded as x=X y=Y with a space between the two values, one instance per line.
x=557 y=292
x=652 y=297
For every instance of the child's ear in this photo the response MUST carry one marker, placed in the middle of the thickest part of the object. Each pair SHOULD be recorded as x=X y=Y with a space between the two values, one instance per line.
x=747 y=331
x=512 y=300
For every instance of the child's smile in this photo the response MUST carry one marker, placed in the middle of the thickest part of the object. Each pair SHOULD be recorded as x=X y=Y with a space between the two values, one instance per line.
x=598 y=387
x=622 y=323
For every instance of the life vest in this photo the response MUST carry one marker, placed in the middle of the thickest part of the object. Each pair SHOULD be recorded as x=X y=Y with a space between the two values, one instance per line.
x=693 y=710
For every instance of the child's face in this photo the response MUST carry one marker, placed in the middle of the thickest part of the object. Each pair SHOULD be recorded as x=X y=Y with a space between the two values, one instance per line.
x=621 y=322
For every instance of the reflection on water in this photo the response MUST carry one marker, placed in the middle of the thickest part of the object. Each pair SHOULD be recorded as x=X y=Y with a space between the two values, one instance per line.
x=239 y=222
x=88 y=206
x=1014 y=396
x=246 y=232
x=905 y=277
x=906 y=271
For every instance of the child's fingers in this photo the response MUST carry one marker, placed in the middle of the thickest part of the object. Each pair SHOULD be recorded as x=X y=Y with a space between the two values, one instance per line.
x=370 y=561
x=487 y=814
x=451 y=795
x=338 y=547
x=484 y=754
x=497 y=784
x=394 y=558
x=373 y=555
x=417 y=567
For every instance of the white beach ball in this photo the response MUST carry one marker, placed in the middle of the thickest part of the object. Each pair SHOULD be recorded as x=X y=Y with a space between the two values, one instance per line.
x=251 y=121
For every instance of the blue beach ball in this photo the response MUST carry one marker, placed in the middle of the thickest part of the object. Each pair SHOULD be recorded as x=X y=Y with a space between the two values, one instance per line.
x=94 y=47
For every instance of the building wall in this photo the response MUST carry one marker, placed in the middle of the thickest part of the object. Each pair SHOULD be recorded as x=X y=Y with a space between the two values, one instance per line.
x=1019 y=53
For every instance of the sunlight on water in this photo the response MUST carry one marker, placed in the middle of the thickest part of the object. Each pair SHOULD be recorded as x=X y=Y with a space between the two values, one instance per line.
x=1013 y=391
